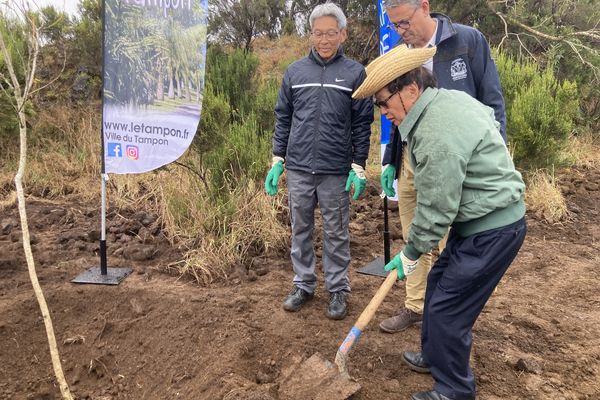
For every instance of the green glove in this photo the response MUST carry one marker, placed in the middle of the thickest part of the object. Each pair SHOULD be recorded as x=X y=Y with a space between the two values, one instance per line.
x=357 y=178
x=402 y=264
x=273 y=177
x=388 y=176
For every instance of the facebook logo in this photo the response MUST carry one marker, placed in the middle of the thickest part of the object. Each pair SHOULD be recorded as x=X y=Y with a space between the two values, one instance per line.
x=115 y=150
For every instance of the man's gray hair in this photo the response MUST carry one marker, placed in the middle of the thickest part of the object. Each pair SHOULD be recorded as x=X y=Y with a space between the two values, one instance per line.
x=328 y=10
x=396 y=3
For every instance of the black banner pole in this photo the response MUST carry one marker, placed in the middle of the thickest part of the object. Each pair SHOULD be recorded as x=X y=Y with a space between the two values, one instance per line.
x=103 y=257
x=103 y=275
x=375 y=267
x=386 y=232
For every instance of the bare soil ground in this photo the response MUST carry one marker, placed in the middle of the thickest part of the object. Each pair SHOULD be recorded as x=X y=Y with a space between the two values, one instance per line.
x=159 y=337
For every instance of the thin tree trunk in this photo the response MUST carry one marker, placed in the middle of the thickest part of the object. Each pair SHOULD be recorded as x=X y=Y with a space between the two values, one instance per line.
x=171 y=92
x=187 y=83
x=39 y=294
x=21 y=97
x=160 y=86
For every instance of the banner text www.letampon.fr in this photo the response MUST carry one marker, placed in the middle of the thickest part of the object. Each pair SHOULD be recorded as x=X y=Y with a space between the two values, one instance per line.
x=110 y=127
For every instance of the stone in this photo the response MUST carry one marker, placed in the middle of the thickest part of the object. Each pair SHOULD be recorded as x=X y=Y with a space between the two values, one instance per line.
x=139 y=252
x=7 y=226
x=528 y=365
x=93 y=235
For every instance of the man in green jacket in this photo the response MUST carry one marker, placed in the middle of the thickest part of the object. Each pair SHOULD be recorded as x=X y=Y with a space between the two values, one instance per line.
x=466 y=181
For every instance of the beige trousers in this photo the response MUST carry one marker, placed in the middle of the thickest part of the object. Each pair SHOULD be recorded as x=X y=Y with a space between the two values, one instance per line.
x=416 y=283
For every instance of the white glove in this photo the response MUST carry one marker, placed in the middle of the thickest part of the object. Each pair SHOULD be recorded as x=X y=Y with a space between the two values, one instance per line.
x=359 y=171
x=276 y=159
x=408 y=265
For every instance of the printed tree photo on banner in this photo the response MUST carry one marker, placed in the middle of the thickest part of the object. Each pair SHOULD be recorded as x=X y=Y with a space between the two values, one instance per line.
x=154 y=57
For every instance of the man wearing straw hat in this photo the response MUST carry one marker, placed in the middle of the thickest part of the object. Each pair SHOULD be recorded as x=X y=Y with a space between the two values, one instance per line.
x=462 y=62
x=465 y=180
x=322 y=135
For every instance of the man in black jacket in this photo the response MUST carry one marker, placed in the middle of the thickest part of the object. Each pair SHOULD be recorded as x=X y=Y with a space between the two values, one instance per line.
x=322 y=137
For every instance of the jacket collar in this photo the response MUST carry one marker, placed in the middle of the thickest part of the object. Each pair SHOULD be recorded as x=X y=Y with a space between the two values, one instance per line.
x=314 y=55
x=415 y=112
x=445 y=27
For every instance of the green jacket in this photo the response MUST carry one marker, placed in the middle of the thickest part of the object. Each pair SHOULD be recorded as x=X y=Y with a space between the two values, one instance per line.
x=464 y=175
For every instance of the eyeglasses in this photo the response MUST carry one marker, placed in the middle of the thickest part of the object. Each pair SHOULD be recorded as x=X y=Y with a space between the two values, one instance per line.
x=329 y=35
x=384 y=103
x=403 y=23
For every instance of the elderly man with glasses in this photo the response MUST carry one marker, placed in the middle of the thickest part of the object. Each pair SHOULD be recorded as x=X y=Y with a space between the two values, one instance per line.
x=462 y=62
x=322 y=139
x=465 y=181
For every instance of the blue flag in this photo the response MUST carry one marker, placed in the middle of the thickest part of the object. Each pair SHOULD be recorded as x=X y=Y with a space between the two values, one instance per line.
x=388 y=37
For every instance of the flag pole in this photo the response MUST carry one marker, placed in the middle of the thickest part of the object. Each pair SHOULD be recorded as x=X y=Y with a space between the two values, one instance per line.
x=386 y=232
x=103 y=177
x=103 y=275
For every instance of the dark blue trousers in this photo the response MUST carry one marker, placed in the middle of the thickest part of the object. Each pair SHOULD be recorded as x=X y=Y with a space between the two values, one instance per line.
x=458 y=286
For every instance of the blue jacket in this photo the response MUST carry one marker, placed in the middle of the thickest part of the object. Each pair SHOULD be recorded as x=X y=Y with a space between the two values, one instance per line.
x=462 y=62
x=319 y=128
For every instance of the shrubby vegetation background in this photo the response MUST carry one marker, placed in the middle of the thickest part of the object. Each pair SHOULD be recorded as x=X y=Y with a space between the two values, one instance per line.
x=211 y=201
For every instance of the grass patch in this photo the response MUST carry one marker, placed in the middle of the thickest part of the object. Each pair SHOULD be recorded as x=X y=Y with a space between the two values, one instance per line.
x=583 y=151
x=275 y=57
x=219 y=233
x=544 y=197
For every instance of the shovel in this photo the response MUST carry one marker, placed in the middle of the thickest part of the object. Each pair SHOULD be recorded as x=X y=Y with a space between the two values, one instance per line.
x=319 y=379
x=365 y=317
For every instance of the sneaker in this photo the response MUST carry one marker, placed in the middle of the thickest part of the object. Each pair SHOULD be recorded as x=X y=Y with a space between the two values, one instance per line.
x=400 y=322
x=296 y=299
x=338 y=308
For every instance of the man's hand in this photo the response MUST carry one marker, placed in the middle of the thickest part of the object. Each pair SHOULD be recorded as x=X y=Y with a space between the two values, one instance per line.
x=272 y=179
x=387 y=180
x=402 y=264
x=357 y=178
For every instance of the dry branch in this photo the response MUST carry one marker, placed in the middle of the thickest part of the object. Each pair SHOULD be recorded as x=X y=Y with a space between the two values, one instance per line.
x=570 y=39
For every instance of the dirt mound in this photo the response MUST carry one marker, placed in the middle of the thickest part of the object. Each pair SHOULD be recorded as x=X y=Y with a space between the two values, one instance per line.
x=157 y=337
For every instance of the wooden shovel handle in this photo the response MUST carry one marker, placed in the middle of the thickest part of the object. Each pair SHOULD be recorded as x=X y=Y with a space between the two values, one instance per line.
x=369 y=311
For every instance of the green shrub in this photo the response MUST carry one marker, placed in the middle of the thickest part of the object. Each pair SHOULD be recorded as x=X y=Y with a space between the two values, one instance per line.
x=231 y=74
x=214 y=121
x=264 y=106
x=9 y=122
x=541 y=111
x=13 y=31
x=243 y=155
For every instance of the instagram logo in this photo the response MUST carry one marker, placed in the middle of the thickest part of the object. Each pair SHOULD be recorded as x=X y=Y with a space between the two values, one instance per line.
x=133 y=153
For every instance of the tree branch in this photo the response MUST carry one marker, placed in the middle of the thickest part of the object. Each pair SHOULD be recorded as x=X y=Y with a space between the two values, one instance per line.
x=21 y=99
x=574 y=45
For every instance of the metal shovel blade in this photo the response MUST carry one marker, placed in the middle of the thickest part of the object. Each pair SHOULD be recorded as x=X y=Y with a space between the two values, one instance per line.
x=317 y=379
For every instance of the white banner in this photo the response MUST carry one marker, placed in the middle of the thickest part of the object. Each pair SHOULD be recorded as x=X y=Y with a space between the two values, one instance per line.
x=154 y=57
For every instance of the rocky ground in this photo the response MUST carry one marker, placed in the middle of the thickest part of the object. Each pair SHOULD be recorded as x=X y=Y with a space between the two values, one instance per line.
x=158 y=337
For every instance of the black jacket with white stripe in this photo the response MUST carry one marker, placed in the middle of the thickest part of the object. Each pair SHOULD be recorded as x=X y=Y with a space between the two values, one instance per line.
x=319 y=128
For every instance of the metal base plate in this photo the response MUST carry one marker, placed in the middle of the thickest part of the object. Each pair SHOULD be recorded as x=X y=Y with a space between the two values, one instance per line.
x=113 y=277
x=375 y=267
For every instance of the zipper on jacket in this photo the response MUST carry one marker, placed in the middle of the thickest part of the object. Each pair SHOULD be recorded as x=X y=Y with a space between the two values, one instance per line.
x=318 y=127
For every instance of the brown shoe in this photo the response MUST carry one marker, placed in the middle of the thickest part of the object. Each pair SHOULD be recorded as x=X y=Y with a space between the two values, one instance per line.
x=400 y=322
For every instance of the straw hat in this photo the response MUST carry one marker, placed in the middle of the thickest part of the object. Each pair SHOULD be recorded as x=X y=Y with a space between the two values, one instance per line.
x=390 y=66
